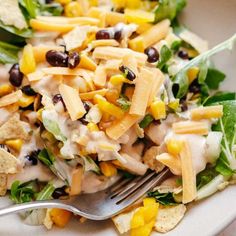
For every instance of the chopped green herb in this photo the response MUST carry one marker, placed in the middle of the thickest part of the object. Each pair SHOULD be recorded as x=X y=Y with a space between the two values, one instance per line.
x=165 y=56
x=165 y=199
x=124 y=103
x=147 y=120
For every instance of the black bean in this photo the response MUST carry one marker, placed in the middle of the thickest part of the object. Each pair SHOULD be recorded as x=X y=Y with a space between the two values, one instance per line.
x=55 y=58
x=48 y=1
x=129 y=74
x=32 y=158
x=152 y=53
x=57 y=98
x=183 y=54
x=103 y=34
x=59 y=192
x=16 y=76
x=86 y=106
x=73 y=60
x=195 y=87
x=183 y=104
x=118 y=35
x=28 y=90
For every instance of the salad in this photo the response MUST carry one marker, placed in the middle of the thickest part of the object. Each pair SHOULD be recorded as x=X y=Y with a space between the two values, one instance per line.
x=95 y=90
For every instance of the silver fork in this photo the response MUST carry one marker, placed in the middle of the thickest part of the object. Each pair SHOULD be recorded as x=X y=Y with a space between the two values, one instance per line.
x=101 y=205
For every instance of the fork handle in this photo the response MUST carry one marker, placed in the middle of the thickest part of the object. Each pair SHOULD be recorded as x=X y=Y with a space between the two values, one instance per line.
x=37 y=205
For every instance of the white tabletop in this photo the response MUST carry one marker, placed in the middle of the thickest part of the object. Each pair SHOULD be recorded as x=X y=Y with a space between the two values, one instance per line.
x=230 y=230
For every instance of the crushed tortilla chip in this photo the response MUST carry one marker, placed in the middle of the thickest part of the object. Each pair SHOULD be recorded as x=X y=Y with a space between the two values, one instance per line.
x=48 y=223
x=3 y=184
x=169 y=217
x=13 y=129
x=8 y=163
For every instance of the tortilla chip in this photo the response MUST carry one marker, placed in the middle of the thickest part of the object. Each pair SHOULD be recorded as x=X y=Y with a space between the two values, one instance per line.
x=169 y=217
x=8 y=163
x=3 y=184
x=13 y=129
x=48 y=223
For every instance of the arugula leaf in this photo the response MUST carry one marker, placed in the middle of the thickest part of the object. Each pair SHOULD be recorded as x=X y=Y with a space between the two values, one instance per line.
x=175 y=45
x=169 y=9
x=206 y=176
x=24 y=33
x=8 y=53
x=124 y=103
x=46 y=192
x=46 y=157
x=21 y=193
x=180 y=77
x=30 y=6
x=219 y=97
x=226 y=164
x=51 y=9
x=165 y=56
x=90 y=165
x=165 y=199
x=147 y=120
x=51 y=125
x=203 y=71
x=214 y=78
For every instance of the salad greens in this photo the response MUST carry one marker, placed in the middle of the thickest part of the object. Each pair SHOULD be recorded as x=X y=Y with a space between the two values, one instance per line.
x=214 y=77
x=219 y=97
x=90 y=165
x=46 y=192
x=180 y=80
x=124 y=102
x=147 y=120
x=8 y=53
x=206 y=176
x=165 y=56
x=165 y=199
x=46 y=157
x=169 y=9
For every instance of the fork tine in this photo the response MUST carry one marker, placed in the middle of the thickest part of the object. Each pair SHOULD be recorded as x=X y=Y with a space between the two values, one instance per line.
x=132 y=197
x=127 y=191
x=115 y=188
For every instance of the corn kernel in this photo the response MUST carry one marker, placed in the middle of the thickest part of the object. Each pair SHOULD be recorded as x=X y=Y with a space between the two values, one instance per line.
x=25 y=100
x=27 y=62
x=192 y=74
x=174 y=146
x=48 y=136
x=39 y=114
x=108 y=169
x=158 y=110
x=6 y=89
x=93 y=3
x=174 y=104
x=63 y=2
x=117 y=80
x=60 y=217
x=92 y=127
x=73 y=9
x=15 y=144
x=108 y=107
x=112 y=95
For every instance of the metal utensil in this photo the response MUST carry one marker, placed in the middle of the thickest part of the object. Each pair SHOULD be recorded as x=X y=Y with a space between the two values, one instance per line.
x=101 y=205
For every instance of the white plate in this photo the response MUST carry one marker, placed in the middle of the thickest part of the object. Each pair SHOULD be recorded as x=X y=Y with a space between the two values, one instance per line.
x=215 y=21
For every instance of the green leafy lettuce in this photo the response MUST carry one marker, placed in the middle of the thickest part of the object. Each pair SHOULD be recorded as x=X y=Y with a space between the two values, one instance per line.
x=169 y=9
x=214 y=77
x=90 y=165
x=180 y=80
x=165 y=56
x=8 y=53
x=165 y=199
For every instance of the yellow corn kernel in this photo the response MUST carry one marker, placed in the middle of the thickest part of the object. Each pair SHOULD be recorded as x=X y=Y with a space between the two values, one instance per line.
x=192 y=74
x=48 y=136
x=211 y=112
x=108 y=107
x=93 y=3
x=63 y=2
x=191 y=127
x=39 y=114
x=192 y=52
x=107 y=169
x=174 y=146
x=15 y=144
x=25 y=100
x=6 y=89
x=60 y=217
x=27 y=62
x=73 y=9
x=149 y=201
x=92 y=127
x=118 y=80
x=174 y=104
x=112 y=95
x=158 y=110
x=139 y=16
